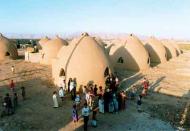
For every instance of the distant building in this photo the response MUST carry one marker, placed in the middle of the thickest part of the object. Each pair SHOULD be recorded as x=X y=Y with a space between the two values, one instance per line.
x=129 y=54
x=7 y=49
x=156 y=50
x=48 y=50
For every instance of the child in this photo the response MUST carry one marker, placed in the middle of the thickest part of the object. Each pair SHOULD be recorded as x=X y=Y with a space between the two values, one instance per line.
x=75 y=114
x=94 y=121
x=139 y=102
x=77 y=100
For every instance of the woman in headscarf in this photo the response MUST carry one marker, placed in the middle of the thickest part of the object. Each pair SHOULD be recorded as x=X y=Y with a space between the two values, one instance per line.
x=55 y=102
x=101 y=104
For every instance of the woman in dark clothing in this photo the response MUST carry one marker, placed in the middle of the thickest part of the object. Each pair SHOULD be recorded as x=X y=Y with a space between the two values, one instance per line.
x=23 y=92
x=106 y=100
x=111 y=104
x=70 y=79
x=75 y=88
x=119 y=100
x=8 y=104
x=95 y=90
x=15 y=100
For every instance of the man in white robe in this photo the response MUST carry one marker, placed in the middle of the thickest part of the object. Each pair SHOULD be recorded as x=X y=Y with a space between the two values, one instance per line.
x=55 y=102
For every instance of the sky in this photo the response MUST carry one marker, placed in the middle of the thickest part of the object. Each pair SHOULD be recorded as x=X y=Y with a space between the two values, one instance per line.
x=161 y=18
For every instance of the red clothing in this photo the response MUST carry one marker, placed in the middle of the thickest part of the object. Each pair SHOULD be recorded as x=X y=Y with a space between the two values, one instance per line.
x=12 y=85
x=145 y=84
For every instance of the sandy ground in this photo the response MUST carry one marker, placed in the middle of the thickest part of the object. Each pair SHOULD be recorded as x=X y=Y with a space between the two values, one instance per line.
x=163 y=110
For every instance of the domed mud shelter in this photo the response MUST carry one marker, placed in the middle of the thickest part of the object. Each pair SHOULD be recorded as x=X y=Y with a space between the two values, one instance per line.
x=175 y=45
x=129 y=54
x=170 y=50
x=156 y=50
x=51 y=48
x=85 y=60
x=42 y=42
x=7 y=49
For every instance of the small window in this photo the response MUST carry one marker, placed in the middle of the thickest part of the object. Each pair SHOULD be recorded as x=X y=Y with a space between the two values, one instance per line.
x=7 y=54
x=106 y=72
x=62 y=72
x=120 y=60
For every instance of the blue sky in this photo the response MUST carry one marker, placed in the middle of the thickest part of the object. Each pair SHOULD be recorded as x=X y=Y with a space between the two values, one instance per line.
x=162 y=18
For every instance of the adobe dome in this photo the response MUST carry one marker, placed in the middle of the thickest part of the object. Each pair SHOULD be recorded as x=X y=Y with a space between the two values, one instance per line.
x=170 y=50
x=156 y=50
x=84 y=60
x=175 y=45
x=129 y=54
x=100 y=42
x=7 y=49
x=42 y=42
x=51 y=49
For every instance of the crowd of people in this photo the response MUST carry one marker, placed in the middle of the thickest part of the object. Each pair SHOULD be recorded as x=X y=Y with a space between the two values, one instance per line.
x=92 y=99
x=95 y=99
x=10 y=101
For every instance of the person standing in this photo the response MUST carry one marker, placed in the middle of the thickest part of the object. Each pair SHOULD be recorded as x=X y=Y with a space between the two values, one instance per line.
x=111 y=104
x=13 y=69
x=61 y=93
x=55 y=102
x=64 y=85
x=101 y=104
x=87 y=98
x=23 y=92
x=139 y=102
x=15 y=101
x=106 y=100
x=71 y=88
x=122 y=101
x=115 y=103
x=145 y=87
x=94 y=120
x=8 y=104
x=77 y=100
x=101 y=92
x=95 y=90
x=12 y=85
x=74 y=88
x=69 y=82
x=85 y=114
x=75 y=114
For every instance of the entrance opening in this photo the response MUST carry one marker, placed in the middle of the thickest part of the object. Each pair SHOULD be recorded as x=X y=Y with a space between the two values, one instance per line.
x=148 y=61
x=120 y=60
x=106 y=72
x=7 y=54
x=62 y=72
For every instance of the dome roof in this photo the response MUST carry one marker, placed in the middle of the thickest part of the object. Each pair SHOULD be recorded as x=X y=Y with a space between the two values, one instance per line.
x=128 y=54
x=7 y=49
x=100 y=42
x=42 y=41
x=84 y=60
x=51 y=49
x=171 y=51
x=156 y=50
x=175 y=45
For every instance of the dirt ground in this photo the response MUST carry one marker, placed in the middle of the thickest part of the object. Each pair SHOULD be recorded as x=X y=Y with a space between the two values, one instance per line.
x=166 y=108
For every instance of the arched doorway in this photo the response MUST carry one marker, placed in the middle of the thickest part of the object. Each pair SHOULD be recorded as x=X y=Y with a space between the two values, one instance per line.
x=62 y=72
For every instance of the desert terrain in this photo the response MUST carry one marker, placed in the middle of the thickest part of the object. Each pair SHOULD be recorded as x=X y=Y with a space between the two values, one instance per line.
x=166 y=108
